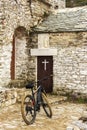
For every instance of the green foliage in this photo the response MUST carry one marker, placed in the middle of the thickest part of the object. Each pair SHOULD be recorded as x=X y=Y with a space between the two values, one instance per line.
x=74 y=3
x=74 y=99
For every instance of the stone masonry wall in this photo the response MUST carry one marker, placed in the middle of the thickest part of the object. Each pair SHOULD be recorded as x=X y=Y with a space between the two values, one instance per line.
x=13 y=15
x=59 y=4
x=11 y=96
x=67 y=30
x=70 y=64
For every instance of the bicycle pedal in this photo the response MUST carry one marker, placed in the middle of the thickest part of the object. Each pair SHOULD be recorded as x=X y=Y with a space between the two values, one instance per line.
x=38 y=108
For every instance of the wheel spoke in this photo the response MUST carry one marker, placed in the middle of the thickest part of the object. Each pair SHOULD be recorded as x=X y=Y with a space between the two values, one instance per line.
x=28 y=110
x=46 y=106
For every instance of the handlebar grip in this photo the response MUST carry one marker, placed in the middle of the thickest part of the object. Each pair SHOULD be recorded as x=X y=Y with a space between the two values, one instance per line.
x=45 y=78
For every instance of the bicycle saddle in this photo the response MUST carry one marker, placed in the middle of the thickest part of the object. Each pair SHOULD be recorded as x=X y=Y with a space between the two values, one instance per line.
x=29 y=85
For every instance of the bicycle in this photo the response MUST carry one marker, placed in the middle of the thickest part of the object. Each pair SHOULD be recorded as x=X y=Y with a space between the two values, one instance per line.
x=31 y=103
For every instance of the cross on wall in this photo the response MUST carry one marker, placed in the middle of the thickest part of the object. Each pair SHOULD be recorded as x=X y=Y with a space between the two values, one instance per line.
x=45 y=62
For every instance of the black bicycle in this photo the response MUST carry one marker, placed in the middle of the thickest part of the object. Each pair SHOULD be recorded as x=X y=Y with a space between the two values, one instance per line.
x=31 y=103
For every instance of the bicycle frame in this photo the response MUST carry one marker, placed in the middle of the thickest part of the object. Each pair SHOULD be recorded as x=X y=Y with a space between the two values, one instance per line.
x=38 y=98
x=32 y=102
x=39 y=89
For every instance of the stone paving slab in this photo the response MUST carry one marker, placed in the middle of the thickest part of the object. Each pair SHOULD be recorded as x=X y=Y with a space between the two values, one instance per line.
x=65 y=115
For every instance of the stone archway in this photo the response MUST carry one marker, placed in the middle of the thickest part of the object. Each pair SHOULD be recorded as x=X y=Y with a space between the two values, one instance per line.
x=19 y=55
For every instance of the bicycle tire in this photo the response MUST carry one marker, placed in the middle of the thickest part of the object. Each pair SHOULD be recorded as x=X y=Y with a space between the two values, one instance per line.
x=46 y=106
x=28 y=109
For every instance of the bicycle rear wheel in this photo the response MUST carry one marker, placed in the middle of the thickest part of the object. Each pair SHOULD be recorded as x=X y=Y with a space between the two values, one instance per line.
x=28 y=109
x=46 y=106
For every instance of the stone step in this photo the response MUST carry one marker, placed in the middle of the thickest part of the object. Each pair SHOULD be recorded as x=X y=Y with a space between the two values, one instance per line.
x=9 y=96
x=16 y=84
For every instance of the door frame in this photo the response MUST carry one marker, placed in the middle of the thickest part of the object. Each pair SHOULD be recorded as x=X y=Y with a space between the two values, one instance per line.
x=12 y=68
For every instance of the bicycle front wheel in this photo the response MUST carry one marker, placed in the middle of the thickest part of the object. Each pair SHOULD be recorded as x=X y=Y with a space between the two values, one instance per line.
x=46 y=106
x=28 y=109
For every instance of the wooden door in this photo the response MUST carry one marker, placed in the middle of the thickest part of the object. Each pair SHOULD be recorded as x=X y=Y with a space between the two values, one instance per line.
x=13 y=60
x=45 y=68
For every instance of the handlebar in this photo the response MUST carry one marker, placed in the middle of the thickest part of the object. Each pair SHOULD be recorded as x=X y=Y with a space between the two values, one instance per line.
x=45 y=78
x=31 y=85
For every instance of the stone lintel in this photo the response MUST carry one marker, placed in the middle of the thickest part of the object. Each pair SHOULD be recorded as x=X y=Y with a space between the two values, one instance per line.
x=43 y=52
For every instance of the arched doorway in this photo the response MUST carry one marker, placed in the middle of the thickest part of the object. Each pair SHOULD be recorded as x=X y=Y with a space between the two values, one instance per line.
x=19 y=52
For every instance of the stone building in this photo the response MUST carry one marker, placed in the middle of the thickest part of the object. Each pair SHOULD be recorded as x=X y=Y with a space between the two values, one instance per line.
x=16 y=19
x=61 y=41
x=42 y=37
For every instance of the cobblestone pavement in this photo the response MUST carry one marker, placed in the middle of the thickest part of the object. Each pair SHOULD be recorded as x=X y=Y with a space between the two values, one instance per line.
x=64 y=114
